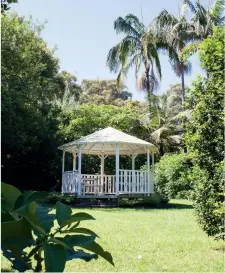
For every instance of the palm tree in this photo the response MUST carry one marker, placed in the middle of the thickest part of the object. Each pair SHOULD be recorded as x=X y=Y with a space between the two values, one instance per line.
x=131 y=52
x=167 y=133
x=172 y=35
x=203 y=21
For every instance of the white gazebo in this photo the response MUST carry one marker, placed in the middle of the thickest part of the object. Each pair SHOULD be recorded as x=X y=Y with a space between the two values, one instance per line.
x=103 y=143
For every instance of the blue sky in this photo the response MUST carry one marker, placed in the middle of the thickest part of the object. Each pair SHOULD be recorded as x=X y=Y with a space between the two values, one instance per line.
x=82 y=31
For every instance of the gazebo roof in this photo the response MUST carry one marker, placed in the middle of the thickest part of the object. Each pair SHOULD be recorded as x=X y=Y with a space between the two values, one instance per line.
x=103 y=142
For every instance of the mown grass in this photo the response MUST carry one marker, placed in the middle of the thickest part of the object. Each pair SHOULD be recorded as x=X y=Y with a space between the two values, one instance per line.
x=156 y=240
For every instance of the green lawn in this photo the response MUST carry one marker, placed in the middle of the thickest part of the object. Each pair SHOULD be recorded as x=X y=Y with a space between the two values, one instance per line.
x=157 y=240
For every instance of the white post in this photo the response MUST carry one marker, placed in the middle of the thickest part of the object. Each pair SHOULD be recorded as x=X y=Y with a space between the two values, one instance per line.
x=133 y=162
x=63 y=168
x=102 y=171
x=74 y=161
x=148 y=170
x=117 y=168
x=134 y=179
x=63 y=162
x=153 y=169
x=79 y=169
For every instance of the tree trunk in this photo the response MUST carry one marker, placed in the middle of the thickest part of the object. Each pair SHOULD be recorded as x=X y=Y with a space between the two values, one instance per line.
x=182 y=82
x=161 y=150
x=148 y=88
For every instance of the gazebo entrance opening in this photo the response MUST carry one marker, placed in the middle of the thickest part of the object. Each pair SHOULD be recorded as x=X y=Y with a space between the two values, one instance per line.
x=103 y=143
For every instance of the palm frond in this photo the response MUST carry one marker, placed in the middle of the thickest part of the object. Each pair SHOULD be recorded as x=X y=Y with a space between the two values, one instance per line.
x=129 y=25
x=217 y=11
x=133 y=20
x=119 y=53
x=184 y=114
x=165 y=19
x=176 y=139
x=135 y=60
x=156 y=135
x=190 y=5
x=153 y=54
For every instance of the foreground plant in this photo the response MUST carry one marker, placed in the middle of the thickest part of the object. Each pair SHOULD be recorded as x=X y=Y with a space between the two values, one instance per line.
x=30 y=237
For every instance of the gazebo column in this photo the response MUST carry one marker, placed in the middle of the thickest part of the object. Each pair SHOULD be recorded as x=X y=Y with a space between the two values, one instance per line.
x=102 y=170
x=63 y=161
x=148 y=170
x=117 y=168
x=63 y=169
x=74 y=161
x=153 y=168
x=134 y=178
x=133 y=161
x=79 y=169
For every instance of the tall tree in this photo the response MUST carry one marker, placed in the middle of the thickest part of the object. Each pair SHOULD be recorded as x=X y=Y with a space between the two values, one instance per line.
x=132 y=52
x=172 y=35
x=203 y=20
x=164 y=123
x=29 y=123
x=103 y=92
x=205 y=136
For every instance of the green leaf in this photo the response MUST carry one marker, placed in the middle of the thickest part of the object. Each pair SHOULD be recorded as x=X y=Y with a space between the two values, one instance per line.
x=15 y=236
x=10 y=193
x=28 y=212
x=63 y=242
x=55 y=258
x=97 y=249
x=81 y=230
x=37 y=216
x=79 y=240
x=63 y=212
x=20 y=228
x=24 y=199
x=80 y=216
x=46 y=219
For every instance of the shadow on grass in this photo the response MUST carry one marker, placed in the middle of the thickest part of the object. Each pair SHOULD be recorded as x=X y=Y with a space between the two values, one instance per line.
x=162 y=206
x=136 y=207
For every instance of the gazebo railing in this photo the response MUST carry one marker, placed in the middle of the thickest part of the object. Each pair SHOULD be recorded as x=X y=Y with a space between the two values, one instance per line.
x=69 y=182
x=93 y=184
x=132 y=181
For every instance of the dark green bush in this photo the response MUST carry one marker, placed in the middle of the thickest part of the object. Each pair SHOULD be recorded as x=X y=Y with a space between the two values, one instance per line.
x=43 y=197
x=171 y=175
x=153 y=200
x=204 y=135
x=208 y=200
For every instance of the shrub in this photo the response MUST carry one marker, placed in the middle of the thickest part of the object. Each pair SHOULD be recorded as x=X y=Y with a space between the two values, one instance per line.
x=25 y=224
x=208 y=200
x=205 y=135
x=171 y=175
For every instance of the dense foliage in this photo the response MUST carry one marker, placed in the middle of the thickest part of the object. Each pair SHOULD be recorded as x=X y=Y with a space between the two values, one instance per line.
x=29 y=82
x=172 y=175
x=205 y=135
x=103 y=92
x=25 y=224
